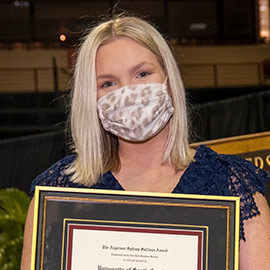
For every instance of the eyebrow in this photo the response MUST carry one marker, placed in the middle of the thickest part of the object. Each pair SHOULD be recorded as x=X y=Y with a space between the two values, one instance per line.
x=138 y=66
x=131 y=71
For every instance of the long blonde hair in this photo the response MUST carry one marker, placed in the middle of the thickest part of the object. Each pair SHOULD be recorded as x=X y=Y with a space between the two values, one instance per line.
x=97 y=149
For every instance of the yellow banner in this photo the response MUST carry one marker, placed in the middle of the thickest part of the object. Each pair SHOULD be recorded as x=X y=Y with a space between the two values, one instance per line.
x=253 y=147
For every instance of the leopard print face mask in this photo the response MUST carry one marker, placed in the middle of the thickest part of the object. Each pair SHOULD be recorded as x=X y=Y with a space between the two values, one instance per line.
x=136 y=112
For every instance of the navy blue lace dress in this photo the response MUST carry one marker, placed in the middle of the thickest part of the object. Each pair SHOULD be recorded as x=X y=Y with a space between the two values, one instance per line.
x=209 y=174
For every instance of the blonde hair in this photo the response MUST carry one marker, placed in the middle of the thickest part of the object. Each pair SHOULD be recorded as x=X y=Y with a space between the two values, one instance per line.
x=97 y=149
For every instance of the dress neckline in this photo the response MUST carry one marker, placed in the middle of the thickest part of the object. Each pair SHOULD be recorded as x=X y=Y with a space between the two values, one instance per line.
x=178 y=187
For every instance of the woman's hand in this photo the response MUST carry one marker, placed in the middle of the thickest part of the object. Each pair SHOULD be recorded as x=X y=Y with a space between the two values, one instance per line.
x=27 y=242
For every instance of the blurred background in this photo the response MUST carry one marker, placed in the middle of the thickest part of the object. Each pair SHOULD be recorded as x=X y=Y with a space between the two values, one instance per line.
x=222 y=48
x=223 y=51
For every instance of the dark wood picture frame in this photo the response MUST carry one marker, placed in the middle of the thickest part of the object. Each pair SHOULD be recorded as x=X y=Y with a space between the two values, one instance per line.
x=60 y=212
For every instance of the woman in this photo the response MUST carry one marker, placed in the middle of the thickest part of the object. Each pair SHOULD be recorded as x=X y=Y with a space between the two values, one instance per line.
x=130 y=131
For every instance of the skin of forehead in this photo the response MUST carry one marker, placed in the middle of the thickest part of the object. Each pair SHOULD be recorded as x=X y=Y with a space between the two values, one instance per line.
x=123 y=52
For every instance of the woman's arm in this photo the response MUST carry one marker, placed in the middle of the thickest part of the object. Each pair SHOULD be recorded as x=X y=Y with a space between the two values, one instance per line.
x=255 y=252
x=27 y=242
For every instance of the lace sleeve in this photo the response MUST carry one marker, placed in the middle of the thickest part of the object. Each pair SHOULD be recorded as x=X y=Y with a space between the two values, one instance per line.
x=54 y=176
x=245 y=180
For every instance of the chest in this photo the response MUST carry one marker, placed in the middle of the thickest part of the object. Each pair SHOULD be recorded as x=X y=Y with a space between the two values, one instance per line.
x=163 y=181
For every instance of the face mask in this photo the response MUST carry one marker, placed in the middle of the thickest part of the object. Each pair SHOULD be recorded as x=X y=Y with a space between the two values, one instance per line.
x=136 y=112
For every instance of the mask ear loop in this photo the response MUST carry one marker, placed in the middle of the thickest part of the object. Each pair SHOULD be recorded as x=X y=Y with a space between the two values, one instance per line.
x=167 y=87
x=165 y=82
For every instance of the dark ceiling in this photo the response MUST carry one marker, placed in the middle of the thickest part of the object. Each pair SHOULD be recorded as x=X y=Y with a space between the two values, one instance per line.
x=187 y=21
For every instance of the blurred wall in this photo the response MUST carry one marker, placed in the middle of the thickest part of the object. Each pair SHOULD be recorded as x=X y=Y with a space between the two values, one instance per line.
x=222 y=54
x=17 y=58
x=201 y=66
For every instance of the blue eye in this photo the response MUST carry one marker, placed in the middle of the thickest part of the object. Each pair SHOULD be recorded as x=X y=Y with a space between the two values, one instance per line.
x=107 y=84
x=143 y=74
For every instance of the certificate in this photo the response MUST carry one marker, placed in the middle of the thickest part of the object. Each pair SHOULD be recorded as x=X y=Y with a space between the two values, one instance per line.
x=79 y=229
x=133 y=248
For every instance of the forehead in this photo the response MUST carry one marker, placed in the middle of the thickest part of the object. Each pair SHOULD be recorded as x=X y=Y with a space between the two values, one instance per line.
x=124 y=50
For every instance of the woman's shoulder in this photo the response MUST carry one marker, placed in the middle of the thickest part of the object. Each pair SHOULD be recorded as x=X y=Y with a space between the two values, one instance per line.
x=55 y=175
x=242 y=175
x=231 y=175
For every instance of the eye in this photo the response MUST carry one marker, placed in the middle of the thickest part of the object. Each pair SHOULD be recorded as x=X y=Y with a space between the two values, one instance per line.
x=107 y=84
x=143 y=74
